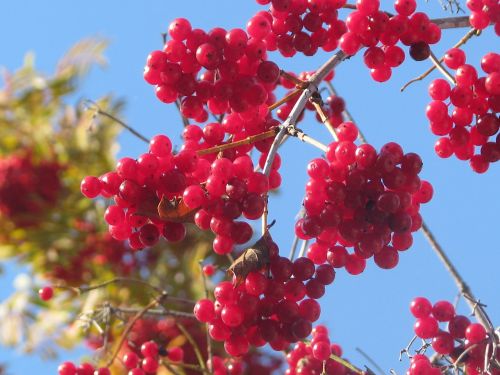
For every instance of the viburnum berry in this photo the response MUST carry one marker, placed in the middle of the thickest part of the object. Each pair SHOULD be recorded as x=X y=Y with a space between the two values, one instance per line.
x=66 y=368
x=46 y=293
x=475 y=333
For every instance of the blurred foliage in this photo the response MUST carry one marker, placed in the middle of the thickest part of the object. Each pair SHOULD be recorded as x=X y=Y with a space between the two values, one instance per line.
x=66 y=242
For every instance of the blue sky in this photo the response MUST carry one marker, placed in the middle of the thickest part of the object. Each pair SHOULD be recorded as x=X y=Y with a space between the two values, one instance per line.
x=369 y=311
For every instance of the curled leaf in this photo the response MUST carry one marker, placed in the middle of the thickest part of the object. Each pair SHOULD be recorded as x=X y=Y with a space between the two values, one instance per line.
x=252 y=259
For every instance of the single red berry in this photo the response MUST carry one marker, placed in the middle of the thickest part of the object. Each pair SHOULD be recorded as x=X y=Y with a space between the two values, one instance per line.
x=475 y=333
x=46 y=293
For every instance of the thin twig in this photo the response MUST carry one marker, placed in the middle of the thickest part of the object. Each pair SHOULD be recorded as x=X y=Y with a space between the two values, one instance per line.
x=185 y=121
x=324 y=119
x=193 y=343
x=349 y=365
x=441 y=68
x=294 y=114
x=459 y=281
x=461 y=42
x=98 y=111
x=346 y=115
x=116 y=280
x=294 y=132
x=242 y=142
x=187 y=366
x=154 y=312
x=129 y=327
x=369 y=359
x=299 y=83
x=285 y=99
x=303 y=248
x=294 y=248
x=209 y=339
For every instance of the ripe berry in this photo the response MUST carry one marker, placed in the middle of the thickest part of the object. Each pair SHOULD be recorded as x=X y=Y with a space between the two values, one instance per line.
x=46 y=293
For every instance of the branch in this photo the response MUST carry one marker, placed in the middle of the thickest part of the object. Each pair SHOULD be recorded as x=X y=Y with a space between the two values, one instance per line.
x=460 y=43
x=129 y=327
x=477 y=308
x=89 y=104
x=441 y=68
x=193 y=343
x=242 y=142
x=154 y=312
x=185 y=121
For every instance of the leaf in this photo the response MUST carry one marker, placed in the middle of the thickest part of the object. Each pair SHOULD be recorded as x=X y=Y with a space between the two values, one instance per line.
x=80 y=58
x=252 y=259
x=175 y=210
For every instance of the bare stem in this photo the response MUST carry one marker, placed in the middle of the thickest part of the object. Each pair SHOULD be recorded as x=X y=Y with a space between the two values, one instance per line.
x=346 y=115
x=461 y=42
x=285 y=99
x=209 y=339
x=441 y=68
x=154 y=312
x=242 y=142
x=477 y=309
x=292 y=78
x=98 y=111
x=324 y=119
x=129 y=327
x=187 y=366
x=297 y=109
x=193 y=343
x=185 y=121
x=294 y=132
x=116 y=280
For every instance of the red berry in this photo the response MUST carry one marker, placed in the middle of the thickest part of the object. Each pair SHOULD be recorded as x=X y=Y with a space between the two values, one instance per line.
x=46 y=293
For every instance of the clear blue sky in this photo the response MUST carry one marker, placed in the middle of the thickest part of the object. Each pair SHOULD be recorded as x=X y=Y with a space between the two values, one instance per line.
x=368 y=311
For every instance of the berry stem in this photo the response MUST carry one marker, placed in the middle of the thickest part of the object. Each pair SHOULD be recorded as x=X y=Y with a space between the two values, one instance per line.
x=154 y=312
x=193 y=343
x=89 y=104
x=209 y=339
x=441 y=68
x=299 y=83
x=116 y=280
x=324 y=119
x=285 y=99
x=297 y=109
x=460 y=43
x=346 y=115
x=370 y=359
x=129 y=327
x=294 y=248
x=477 y=309
x=303 y=248
x=170 y=364
x=246 y=141
x=185 y=121
x=349 y=365
x=294 y=132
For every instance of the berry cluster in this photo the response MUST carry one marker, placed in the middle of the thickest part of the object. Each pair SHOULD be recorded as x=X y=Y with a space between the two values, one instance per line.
x=314 y=357
x=483 y=13
x=305 y=26
x=251 y=363
x=147 y=361
x=237 y=77
x=368 y=26
x=474 y=104
x=97 y=248
x=278 y=309
x=27 y=188
x=157 y=193
x=359 y=198
x=459 y=336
